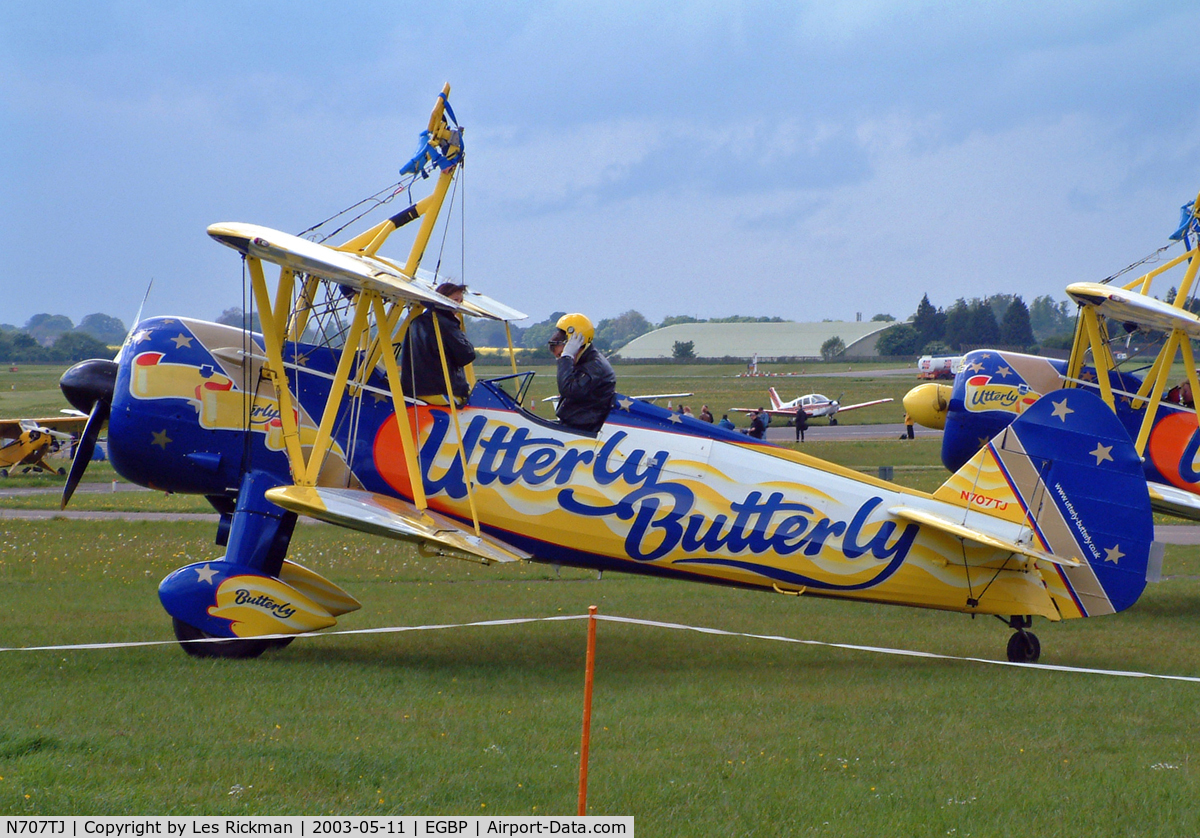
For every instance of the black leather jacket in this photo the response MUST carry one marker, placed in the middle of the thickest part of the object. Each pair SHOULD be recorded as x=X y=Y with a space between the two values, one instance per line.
x=420 y=362
x=586 y=390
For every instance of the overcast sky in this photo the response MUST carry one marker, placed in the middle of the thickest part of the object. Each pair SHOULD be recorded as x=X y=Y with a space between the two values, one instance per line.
x=808 y=160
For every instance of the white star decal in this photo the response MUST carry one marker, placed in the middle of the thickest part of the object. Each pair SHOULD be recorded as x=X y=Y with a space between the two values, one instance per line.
x=1061 y=410
x=975 y=367
x=206 y=574
x=1102 y=453
x=144 y=334
x=181 y=341
x=1113 y=554
x=1003 y=372
x=625 y=403
x=676 y=418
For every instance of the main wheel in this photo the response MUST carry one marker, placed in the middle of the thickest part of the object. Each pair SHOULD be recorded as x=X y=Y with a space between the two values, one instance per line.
x=1024 y=647
x=221 y=649
x=832 y=421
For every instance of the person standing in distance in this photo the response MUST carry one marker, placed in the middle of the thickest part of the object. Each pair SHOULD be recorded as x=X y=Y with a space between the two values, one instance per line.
x=420 y=361
x=586 y=381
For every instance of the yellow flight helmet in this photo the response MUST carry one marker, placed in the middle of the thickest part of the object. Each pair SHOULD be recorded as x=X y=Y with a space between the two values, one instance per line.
x=577 y=323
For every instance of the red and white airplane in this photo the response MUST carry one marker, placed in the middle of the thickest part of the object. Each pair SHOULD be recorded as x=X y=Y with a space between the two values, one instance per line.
x=813 y=405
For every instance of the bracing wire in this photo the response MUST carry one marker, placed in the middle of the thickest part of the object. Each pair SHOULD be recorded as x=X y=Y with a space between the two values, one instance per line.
x=1145 y=260
x=445 y=231
x=372 y=201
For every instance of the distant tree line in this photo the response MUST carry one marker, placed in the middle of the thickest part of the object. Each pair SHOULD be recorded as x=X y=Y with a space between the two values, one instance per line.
x=1002 y=320
x=54 y=339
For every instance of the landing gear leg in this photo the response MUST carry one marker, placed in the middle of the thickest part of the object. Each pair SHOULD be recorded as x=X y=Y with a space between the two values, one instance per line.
x=1023 y=646
x=257 y=540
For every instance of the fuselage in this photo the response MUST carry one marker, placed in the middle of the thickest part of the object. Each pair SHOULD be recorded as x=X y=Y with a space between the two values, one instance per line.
x=653 y=492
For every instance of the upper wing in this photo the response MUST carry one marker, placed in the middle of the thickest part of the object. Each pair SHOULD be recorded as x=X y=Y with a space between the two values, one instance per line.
x=1127 y=306
x=845 y=407
x=1172 y=501
x=352 y=269
x=474 y=303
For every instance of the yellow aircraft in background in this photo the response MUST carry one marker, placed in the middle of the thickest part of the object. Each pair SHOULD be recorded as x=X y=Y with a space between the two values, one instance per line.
x=27 y=442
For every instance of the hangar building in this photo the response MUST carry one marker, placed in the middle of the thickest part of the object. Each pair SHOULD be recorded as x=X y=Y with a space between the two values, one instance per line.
x=767 y=340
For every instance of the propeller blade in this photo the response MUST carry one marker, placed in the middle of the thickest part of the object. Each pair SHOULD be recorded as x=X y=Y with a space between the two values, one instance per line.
x=85 y=449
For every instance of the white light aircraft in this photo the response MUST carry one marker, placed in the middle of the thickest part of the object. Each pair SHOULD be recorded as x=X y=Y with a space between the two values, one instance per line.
x=813 y=405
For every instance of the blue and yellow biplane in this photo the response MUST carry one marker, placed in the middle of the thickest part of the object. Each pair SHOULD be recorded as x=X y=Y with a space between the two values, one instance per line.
x=1131 y=349
x=1051 y=518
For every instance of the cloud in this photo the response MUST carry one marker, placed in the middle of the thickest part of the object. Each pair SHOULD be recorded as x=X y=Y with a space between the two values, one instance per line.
x=795 y=159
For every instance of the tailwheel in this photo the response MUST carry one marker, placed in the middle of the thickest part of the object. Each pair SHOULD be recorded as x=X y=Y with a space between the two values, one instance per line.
x=221 y=649
x=1023 y=647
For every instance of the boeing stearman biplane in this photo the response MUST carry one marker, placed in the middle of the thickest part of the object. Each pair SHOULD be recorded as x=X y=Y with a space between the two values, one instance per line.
x=309 y=418
x=1126 y=346
x=813 y=405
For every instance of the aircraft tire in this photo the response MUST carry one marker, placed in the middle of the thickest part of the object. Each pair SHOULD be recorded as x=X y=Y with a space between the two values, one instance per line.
x=832 y=421
x=1024 y=647
x=236 y=649
x=3 y=473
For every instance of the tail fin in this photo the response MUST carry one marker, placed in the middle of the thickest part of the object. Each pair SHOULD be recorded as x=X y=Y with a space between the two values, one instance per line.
x=1067 y=469
x=776 y=402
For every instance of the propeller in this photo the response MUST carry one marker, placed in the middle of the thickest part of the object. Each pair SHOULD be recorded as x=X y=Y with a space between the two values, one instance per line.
x=89 y=387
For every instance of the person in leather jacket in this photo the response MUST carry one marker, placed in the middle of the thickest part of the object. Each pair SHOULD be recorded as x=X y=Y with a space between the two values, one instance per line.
x=586 y=381
x=420 y=362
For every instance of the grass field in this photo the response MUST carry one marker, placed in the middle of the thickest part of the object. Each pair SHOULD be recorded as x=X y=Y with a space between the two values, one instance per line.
x=33 y=389
x=693 y=734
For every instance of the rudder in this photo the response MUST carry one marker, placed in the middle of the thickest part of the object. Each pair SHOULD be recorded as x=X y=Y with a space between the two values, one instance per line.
x=1067 y=469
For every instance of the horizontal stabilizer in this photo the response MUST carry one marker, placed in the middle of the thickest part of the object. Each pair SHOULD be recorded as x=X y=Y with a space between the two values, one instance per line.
x=394 y=518
x=938 y=522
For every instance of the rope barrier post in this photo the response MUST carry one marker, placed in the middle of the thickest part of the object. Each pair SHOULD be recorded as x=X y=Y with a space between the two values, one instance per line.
x=589 y=669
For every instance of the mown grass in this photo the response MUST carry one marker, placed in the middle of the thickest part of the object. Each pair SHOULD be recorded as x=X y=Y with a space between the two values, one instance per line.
x=692 y=734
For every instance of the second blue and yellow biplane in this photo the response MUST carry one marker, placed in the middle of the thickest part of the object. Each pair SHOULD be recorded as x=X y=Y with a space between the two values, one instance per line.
x=1127 y=348
x=1050 y=519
